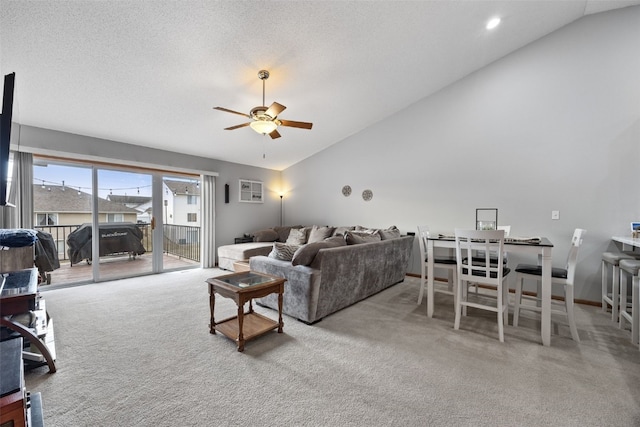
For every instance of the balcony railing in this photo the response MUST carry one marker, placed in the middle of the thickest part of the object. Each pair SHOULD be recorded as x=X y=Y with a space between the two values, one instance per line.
x=179 y=240
x=182 y=241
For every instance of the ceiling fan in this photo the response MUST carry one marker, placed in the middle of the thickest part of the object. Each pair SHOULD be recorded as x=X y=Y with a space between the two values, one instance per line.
x=265 y=120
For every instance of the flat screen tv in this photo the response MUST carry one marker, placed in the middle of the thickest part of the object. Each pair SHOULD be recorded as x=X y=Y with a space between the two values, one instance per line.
x=5 y=136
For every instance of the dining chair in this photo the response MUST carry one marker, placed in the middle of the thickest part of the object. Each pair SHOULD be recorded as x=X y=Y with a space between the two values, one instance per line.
x=478 y=256
x=506 y=228
x=491 y=272
x=630 y=267
x=438 y=262
x=562 y=276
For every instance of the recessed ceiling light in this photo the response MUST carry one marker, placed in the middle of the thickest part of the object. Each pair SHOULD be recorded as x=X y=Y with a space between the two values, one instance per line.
x=494 y=22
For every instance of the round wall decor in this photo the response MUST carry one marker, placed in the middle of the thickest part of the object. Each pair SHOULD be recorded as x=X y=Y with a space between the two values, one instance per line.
x=367 y=195
x=346 y=191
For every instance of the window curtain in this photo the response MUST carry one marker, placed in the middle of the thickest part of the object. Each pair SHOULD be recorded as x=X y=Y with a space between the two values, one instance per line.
x=208 y=209
x=21 y=194
x=24 y=189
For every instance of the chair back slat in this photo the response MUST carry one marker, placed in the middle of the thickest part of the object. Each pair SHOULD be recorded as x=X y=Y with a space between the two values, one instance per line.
x=423 y=236
x=572 y=257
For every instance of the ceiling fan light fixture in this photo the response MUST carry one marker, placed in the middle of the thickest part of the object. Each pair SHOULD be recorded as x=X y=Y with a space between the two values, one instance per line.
x=264 y=120
x=263 y=126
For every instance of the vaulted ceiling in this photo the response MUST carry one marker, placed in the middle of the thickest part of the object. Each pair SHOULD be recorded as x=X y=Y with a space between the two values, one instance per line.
x=150 y=72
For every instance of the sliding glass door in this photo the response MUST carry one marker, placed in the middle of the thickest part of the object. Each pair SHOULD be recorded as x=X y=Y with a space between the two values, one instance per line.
x=62 y=204
x=181 y=221
x=110 y=223
x=124 y=217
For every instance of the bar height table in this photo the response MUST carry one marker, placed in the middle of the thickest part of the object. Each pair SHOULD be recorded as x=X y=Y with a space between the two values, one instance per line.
x=543 y=248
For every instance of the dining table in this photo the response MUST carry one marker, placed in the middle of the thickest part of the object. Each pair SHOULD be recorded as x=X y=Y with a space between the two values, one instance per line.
x=540 y=246
x=628 y=243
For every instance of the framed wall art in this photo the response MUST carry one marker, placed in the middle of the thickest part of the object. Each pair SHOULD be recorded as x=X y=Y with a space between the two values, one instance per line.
x=251 y=191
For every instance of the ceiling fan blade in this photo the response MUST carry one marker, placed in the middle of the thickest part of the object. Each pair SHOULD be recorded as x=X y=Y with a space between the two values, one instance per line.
x=237 y=126
x=291 y=123
x=231 y=111
x=274 y=109
x=275 y=134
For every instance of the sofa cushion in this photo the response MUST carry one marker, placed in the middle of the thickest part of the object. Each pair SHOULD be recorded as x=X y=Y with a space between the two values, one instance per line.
x=228 y=254
x=244 y=251
x=318 y=234
x=339 y=231
x=283 y=251
x=361 y=229
x=358 y=237
x=266 y=235
x=297 y=237
x=390 y=233
x=283 y=232
x=307 y=253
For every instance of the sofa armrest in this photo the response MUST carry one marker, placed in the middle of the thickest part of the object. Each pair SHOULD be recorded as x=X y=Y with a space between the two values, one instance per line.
x=300 y=290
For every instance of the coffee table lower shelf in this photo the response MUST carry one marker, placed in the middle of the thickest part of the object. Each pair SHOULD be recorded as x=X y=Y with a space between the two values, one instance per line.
x=253 y=325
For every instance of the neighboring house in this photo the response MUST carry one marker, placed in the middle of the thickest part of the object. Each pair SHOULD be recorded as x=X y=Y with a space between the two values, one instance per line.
x=142 y=204
x=59 y=205
x=181 y=201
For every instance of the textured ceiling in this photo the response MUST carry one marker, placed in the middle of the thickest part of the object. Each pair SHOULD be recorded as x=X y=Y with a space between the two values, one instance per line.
x=149 y=72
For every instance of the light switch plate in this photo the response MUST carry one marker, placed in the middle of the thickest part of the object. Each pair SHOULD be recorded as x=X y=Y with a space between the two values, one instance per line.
x=555 y=214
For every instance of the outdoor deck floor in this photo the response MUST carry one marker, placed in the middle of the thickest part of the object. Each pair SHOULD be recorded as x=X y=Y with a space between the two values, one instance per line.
x=115 y=267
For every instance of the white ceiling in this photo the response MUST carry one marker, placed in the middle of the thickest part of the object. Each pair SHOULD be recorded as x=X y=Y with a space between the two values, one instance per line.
x=149 y=72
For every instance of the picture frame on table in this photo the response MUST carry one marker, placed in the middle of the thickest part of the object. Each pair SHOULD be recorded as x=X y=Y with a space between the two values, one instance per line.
x=486 y=218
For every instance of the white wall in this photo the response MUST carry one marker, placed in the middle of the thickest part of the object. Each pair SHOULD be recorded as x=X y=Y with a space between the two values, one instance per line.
x=553 y=126
x=236 y=218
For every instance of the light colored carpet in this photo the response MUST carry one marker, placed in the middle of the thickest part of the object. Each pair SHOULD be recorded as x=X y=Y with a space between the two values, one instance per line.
x=137 y=352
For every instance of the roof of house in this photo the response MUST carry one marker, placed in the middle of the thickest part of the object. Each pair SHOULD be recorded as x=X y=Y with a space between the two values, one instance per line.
x=56 y=198
x=126 y=199
x=183 y=187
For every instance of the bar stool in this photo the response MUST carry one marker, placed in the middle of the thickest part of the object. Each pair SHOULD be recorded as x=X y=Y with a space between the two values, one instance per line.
x=630 y=267
x=613 y=299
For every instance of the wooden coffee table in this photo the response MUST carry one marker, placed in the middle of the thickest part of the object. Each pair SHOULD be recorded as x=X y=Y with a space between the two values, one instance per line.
x=242 y=287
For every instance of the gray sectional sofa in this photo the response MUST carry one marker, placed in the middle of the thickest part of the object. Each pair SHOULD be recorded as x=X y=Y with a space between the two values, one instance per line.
x=229 y=254
x=336 y=275
x=261 y=245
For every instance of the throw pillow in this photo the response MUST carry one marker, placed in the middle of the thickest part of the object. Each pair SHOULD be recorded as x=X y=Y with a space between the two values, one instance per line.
x=283 y=232
x=339 y=231
x=390 y=233
x=357 y=237
x=318 y=234
x=306 y=254
x=267 y=235
x=361 y=229
x=283 y=251
x=297 y=237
